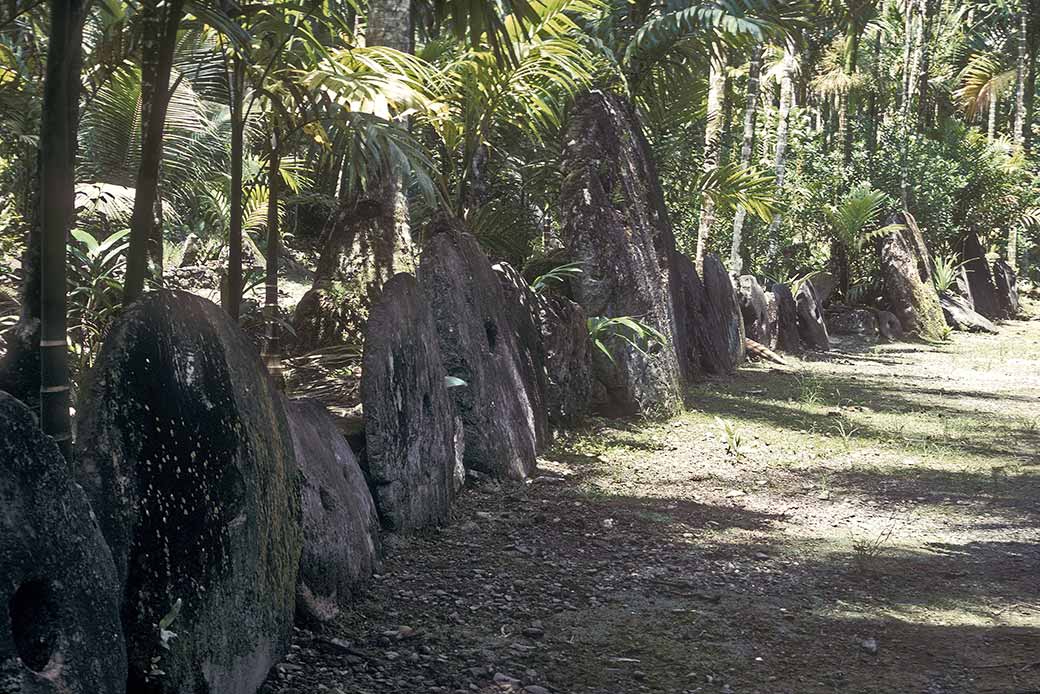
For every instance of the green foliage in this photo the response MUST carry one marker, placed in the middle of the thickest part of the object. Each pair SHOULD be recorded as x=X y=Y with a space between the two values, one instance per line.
x=559 y=274
x=95 y=270
x=628 y=330
x=734 y=439
x=852 y=218
x=946 y=271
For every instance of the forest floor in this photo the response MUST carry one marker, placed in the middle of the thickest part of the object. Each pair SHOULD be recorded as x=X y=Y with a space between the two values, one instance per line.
x=876 y=528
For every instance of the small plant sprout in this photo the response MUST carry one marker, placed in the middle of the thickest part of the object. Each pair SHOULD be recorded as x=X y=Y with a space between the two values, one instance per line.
x=734 y=439
x=846 y=431
x=810 y=390
x=868 y=548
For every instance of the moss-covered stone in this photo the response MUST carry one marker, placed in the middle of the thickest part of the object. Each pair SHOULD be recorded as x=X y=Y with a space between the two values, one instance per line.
x=908 y=290
x=185 y=453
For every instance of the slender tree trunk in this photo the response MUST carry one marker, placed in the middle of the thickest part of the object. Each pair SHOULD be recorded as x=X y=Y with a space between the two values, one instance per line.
x=20 y=365
x=58 y=209
x=234 y=272
x=994 y=103
x=368 y=239
x=768 y=111
x=916 y=24
x=786 y=97
x=1033 y=48
x=929 y=8
x=390 y=24
x=726 y=138
x=712 y=150
x=159 y=41
x=736 y=263
x=852 y=40
x=875 y=106
x=1021 y=73
x=908 y=43
x=272 y=347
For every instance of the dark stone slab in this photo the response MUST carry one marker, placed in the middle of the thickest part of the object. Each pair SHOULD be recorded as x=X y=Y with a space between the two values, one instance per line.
x=341 y=547
x=980 y=279
x=752 y=300
x=811 y=324
x=568 y=359
x=479 y=346
x=960 y=316
x=722 y=345
x=690 y=321
x=614 y=223
x=521 y=309
x=1006 y=281
x=785 y=335
x=409 y=415
x=889 y=326
x=187 y=458
x=60 y=631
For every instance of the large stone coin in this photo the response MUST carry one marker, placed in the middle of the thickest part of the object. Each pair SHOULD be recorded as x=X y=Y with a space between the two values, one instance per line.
x=480 y=349
x=615 y=225
x=340 y=529
x=60 y=631
x=909 y=291
x=186 y=456
x=409 y=416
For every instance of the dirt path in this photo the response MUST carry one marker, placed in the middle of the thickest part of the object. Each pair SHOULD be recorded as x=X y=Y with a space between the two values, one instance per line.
x=875 y=529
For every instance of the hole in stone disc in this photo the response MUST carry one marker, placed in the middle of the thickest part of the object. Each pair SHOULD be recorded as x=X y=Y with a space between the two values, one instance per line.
x=33 y=624
x=492 y=333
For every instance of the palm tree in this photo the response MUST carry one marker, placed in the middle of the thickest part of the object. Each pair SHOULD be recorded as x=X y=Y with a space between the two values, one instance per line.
x=787 y=69
x=856 y=15
x=982 y=81
x=57 y=210
x=161 y=22
x=850 y=222
x=746 y=150
x=712 y=152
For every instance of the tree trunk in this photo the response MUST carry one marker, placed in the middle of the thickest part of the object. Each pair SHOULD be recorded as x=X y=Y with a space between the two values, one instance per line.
x=1033 y=28
x=712 y=150
x=994 y=103
x=929 y=8
x=726 y=136
x=58 y=130
x=1033 y=47
x=786 y=97
x=159 y=40
x=908 y=42
x=1021 y=71
x=875 y=105
x=233 y=296
x=768 y=109
x=852 y=40
x=916 y=27
x=272 y=348
x=20 y=365
x=368 y=239
x=736 y=263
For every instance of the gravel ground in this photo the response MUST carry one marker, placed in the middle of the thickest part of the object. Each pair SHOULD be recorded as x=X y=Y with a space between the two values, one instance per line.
x=869 y=523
